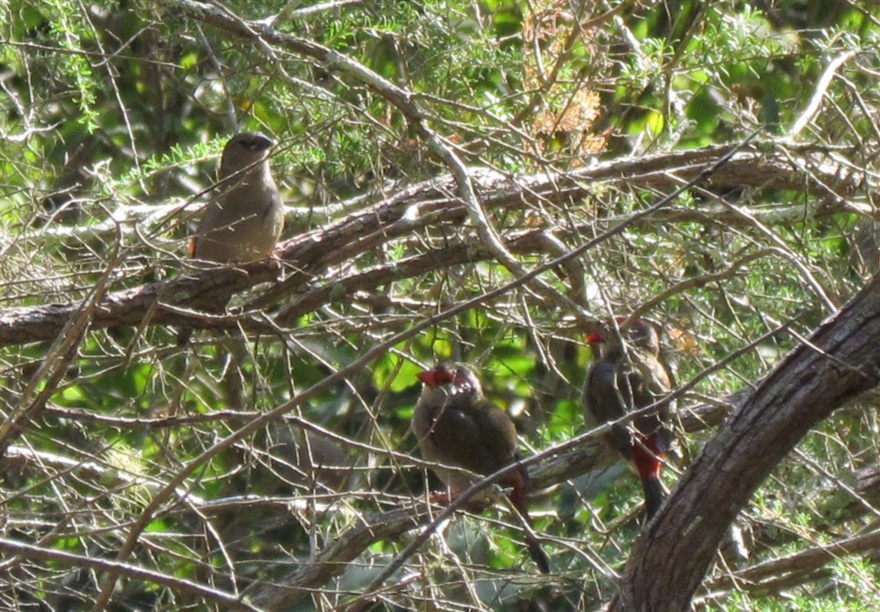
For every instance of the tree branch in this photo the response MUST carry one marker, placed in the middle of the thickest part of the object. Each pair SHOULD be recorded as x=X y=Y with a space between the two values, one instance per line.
x=312 y=253
x=764 y=576
x=838 y=363
x=229 y=601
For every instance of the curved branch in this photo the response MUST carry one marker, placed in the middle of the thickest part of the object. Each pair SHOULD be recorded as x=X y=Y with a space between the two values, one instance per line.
x=312 y=253
x=764 y=576
x=836 y=364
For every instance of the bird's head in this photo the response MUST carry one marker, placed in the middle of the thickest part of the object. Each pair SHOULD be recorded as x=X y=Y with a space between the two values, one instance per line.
x=637 y=333
x=244 y=150
x=451 y=379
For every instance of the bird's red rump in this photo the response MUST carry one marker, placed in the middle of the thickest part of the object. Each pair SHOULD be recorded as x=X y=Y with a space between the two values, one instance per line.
x=646 y=455
x=518 y=492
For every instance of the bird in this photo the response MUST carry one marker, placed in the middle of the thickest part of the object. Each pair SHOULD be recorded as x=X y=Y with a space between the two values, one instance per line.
x=456 y=425
x=628 y=376
x=244 y=221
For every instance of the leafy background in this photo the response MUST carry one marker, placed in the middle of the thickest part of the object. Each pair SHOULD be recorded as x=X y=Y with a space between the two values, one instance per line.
x=113 y=117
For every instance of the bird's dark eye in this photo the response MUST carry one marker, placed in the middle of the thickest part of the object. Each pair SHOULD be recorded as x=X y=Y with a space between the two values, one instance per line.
x=255 y=142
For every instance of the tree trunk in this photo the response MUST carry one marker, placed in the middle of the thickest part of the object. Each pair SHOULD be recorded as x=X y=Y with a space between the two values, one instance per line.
x=837 y=363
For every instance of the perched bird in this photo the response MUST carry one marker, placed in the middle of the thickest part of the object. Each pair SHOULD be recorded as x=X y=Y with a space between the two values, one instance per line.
x=456 y=425
x=630 y=376
x=243 y=223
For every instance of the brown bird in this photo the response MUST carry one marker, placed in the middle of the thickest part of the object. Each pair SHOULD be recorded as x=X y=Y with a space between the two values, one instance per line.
x=624 y=380
x=456 y=425
x=243 y=223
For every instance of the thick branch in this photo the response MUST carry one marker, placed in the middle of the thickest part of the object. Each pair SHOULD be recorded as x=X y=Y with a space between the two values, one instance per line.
x=837 y=364
x=763 y=576
x=313 y=252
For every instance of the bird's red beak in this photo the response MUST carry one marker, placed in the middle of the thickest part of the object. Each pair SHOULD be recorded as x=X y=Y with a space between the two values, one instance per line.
x=595 y=337
x=438 y=376
x=429 y=377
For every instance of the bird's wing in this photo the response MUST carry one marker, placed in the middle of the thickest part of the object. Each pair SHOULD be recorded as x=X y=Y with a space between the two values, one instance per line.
x=481 y=439
x=650 y=382
x=603 y=397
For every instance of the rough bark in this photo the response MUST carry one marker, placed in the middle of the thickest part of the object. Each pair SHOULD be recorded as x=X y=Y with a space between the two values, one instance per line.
x=314 y=254
x=837 y=363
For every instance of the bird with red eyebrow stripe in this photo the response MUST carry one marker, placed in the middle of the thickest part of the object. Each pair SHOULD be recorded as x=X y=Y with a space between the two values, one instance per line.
x=456 y=425
x=629 y=376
